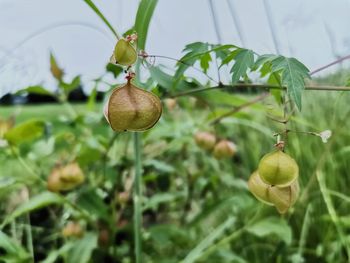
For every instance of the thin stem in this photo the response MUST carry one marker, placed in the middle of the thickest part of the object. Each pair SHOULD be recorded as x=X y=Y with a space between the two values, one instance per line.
x=29 y=237
x=137 y=198
x=339 y=60
x=239 y=108
x=260 y=86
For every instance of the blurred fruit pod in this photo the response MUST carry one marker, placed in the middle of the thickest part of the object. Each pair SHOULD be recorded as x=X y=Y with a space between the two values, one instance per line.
x=224 y=149
x=280 y=197
x=65 y=178
x=205 y=140
x=73 y=229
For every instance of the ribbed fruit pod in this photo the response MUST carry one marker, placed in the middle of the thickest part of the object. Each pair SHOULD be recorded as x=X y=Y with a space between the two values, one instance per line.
x=124 y=53
x=278 y=168
x=205 y=140
x=130 y=108
x=280 y=197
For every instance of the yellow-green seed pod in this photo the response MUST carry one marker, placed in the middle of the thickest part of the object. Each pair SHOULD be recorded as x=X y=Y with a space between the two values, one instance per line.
x=284 y=197
x=278 y=168
x=124 y=53
x=65 y=178
x=130 y=108
x=259 y=189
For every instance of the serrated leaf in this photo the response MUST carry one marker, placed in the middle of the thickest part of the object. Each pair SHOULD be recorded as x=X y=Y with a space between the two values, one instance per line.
x=25 y=131
x=204 y=62
x=194 y=52
x=272 y=226
x=293 y=74
x=244 y=60
x=229 y=57
x=90 y=201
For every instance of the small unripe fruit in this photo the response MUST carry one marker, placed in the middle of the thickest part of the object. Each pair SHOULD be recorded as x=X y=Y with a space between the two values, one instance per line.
x=224 y=149
x=281 y=197
x=278 y=168
x=73 y=229
x=65 y=178
x=130 y=108
x=124 y=53
x=205 y=140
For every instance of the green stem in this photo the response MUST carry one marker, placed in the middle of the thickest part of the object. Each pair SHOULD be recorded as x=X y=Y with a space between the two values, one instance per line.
x=29 y=237
x=137 y=198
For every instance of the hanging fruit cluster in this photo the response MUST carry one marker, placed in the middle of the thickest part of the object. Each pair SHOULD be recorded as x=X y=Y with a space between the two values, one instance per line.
x=221 y=149
x=275 y=182
x=130 y=108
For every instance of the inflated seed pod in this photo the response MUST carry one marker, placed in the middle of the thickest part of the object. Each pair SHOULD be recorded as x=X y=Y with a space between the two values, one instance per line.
x=278 y=168
x=65 y=178
x=205 y=140
x=259 y=189
x=130 y=108
x=124 y=53
x=73 y=229
x=224 y=149
x=284 y=197
x=280 y=197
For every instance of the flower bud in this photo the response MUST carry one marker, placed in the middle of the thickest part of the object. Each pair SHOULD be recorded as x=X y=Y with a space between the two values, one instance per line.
x=205 y=140
x=170 y=104
x=130 y=108
x=278 y=168
x=224 y=149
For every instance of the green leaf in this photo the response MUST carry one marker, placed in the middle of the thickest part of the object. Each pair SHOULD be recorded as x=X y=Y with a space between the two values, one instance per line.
x=98 y=12
x=68 y=87
x=204 y=62
x=194 y=52
x=15 y=253
x=244 y=60
x=40 y=90
x=293 y=74
x=90 y=201
x=39 y=201
x=115 y=69
x=82 y=249
x=143 y=19
x=197 y=252
x=272 y=226
x=25 y=131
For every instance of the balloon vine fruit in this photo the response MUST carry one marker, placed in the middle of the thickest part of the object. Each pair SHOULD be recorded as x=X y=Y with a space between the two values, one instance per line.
x=205 y=140
x=280 y=197
x=130 y=108
x=73 y=229
x=278 y=168
x=224 y=149
x=124 y=53
x=65 y=178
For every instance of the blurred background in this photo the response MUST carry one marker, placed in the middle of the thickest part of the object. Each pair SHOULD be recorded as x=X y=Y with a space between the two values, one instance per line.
x=315 y=31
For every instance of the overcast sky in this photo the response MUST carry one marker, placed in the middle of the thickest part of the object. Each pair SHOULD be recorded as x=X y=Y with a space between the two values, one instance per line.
x=314 y=31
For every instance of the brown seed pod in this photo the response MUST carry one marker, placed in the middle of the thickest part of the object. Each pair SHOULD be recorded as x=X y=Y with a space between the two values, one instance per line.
x=130 y=108
x=65 y=178
x=224 y=149
x=278 y=168
x=205 y=140
x=281 y=197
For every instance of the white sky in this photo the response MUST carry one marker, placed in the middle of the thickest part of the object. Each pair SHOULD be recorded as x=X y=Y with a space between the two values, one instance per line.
x=314 y=31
